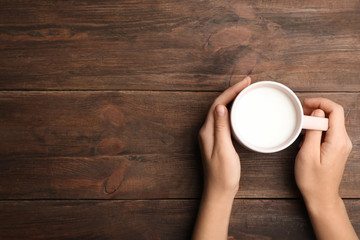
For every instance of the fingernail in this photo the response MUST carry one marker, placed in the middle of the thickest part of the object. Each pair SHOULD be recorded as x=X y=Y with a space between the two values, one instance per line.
x=220 y=110
x=318 y=113
x=247 y=78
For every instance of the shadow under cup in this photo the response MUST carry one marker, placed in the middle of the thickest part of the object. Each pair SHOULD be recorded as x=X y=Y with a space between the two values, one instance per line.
x=266 y=110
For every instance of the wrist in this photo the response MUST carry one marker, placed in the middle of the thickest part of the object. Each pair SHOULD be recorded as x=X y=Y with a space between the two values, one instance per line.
x=324 y=206
x=330 y=219
x=218 y=197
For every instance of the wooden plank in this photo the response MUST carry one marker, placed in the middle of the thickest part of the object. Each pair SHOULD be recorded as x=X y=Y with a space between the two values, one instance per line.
x=39 y=124
x=179 y=45
x=151 y=176
x=123 y=177
x=155 y=219
x=132 y=145
x=100 y=123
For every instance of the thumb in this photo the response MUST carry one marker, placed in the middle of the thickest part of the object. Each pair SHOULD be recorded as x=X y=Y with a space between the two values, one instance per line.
x=222 y=126
x=313 y=137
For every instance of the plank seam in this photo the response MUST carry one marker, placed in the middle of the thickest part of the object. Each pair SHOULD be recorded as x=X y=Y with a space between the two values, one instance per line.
x=148 y=90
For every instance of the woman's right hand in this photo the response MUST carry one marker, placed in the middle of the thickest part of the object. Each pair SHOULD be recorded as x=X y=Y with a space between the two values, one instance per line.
x=319 y=167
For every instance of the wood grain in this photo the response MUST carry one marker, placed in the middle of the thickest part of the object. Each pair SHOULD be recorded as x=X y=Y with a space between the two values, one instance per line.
x=178 y=45
x=101 y=103
x=38 y=124
x=150 y=176
x=133 y=145
x=100 y=123
x=156 y=219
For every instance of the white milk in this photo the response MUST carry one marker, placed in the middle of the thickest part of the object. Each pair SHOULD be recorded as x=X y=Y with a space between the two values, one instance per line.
x=265 y=117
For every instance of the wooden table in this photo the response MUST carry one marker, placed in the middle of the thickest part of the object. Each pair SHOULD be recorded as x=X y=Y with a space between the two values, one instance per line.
x=101 y=103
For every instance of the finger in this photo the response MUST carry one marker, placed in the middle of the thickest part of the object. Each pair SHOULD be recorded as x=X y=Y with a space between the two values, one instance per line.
x=226 y=97
x=307 y=110
x=229 y=94
x=312 y=140
x=334 y=110
x=222 y=128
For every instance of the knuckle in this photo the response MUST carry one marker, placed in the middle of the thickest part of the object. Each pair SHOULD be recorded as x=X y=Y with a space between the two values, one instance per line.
x=201 y=133
x=349 y=145
x=345 y=146
x=340 y=109
x=219 y=127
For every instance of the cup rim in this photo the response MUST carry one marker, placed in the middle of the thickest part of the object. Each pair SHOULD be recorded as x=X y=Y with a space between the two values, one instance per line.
x=296 y=103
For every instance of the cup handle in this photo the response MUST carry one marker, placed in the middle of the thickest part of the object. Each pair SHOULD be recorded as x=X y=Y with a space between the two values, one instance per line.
x=315 y=123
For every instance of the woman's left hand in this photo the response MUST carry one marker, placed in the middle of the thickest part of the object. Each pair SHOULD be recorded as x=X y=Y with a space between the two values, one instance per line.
x=220 y=160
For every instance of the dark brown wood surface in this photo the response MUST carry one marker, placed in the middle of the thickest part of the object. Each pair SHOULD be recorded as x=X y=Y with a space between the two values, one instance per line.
x=154 y=219
x=177 y=45
x=101 y=103
x=90 y=144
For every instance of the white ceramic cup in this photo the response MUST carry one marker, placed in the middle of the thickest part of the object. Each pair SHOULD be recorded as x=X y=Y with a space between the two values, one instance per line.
x=267 y=117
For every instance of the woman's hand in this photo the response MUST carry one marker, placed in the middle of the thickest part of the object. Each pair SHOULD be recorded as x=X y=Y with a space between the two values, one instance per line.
x=220 y=160
x=221 y=168
x=319 y=167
